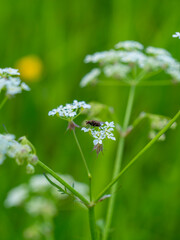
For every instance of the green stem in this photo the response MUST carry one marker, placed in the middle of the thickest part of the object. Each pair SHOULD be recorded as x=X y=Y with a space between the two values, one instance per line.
x=118 y=162
x=65 y=184
x=150 y=83
x=82 y=155
x=92 y=223
x=3 y=102
x=160 y=133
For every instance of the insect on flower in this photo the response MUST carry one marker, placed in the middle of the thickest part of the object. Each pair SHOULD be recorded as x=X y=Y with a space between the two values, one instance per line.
x=94 y=123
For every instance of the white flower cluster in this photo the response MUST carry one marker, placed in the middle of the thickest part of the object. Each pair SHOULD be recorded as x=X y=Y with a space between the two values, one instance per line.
x=101 y=133
x=38 y=184
x=129 y=45
x=176 y=35
x=117 y=70
x=10 y=82
x=130 y=54
x=20 y=151
x=69 y=111
x=41 y=201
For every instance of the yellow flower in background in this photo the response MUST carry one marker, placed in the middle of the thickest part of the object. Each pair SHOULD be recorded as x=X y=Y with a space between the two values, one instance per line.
x=30 y=67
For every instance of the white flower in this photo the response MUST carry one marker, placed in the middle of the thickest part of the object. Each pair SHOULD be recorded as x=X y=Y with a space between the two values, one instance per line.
x=10 y=83
x=133 y=62
x=41 y=206
x=86 y=129
x=157 y=51
x=97 y=141
x=177 y=34
x=90 y=77
x=39 y=183
x=101 y=57
x=25 y=87
x=10 y=71
x=17 y=196
x=69 y=111
x=129 y=45
x=117 y=70
x=102 y=132
x=6 y=141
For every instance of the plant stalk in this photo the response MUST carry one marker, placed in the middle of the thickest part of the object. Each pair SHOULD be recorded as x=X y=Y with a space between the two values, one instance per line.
x=160 y=133
x=65 y=184
x=118 y=162
x=82 y=155
x=92 y=223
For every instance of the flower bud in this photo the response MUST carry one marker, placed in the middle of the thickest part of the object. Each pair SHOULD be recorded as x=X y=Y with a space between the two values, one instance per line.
x=20 y=161
x=32 y=159
x=30 y=169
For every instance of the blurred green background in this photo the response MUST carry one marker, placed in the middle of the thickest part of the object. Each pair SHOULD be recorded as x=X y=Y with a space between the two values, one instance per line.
x=60 y=34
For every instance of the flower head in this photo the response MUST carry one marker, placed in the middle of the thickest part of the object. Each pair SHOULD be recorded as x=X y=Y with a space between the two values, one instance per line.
x=101 y=133
x=131 y=61
x=20 y=150
x=69 y=111
x=11 y=83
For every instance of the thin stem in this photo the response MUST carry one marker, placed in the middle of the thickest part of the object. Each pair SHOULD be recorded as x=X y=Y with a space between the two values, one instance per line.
x=118 y=162
x=90 y=189
x=153 y=83
x=92 y=223
x=149 y=83
x=65 y=184
x=160 y=133
x=82 y=155
x=3 y=101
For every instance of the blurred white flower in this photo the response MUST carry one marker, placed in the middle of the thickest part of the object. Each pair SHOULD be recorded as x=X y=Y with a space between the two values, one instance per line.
x=129 y=45
x=157 y=51
x=90 y=77
x=9 y=71
x=16 y=196
x=117 y=70
x=18 y=150
x=38 y=183
x=41 y=206
x=132 y=61
x=177 y=34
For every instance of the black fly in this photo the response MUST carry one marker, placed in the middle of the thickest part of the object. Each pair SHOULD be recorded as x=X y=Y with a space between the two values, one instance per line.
x=94 y=123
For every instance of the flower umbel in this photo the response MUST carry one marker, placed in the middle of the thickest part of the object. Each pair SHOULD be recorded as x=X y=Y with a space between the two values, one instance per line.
x=100 y=133
x=10 y=82
x=69 y=111
x=21 y=151
x=130 y=61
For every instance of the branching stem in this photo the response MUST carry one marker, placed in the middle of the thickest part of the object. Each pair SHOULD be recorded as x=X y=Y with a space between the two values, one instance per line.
x=118 y=162
x=160 y=133
x=65 y=184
